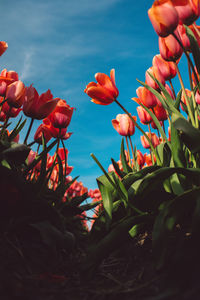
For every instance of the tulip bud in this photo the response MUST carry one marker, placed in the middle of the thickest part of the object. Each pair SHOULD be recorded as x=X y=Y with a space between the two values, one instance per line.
x=15 y=94
x=163 y=17
x=170 y=49
x=188 y=10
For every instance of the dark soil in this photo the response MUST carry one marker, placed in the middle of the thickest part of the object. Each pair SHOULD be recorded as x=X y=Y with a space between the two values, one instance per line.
x=31 y=271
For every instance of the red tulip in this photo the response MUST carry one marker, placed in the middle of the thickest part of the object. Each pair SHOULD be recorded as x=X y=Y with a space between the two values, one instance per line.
x=56 y=132
x=160 y=112
x=3 y=47
x=146 y=97
x=42 y=130
x=197 y=97
x=104 y=91
x=140 y=159
x=188 y=10
x=170 y=49
x=10 y=111
x=157 y=74
x=183 y=36
x=163 y=17
x=167 y=68
x=61 y=115
x=144 y=116
x=124 y=125
x=15 y=94
x=154 y=139
x=38 y=107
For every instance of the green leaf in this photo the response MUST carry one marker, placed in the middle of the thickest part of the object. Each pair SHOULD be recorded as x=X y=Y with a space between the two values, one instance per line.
x=194 y=47
x=159 y=176
x=130 y=178
x=164 y=152
x=174 y=212
x=136 y=229
x=107 y=202
x=117 y=169
x=16 y=153
x=113 y=240
x=188 y=134
x=17 y=129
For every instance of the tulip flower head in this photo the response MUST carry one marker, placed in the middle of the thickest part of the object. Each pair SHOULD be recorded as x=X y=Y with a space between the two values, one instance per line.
x=38 y=107
x=144 y=116
x=124 y=125
x=154 y=139
x=61 y=115
x=167 y=68
x=104 y=91
x=15 y=94
x=170 y=49
x=188 y=10
x=163 y=17
x=3 y=47
x=146 y=97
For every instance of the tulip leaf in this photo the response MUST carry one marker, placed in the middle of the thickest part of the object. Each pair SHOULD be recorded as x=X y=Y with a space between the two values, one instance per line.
x=16 y=153
x=107 y=202
x=112 y=241
x=194 y=47
x=130 y=178
x=17 y=129
x=174 y=212
x=188 y=134
x=117 y=169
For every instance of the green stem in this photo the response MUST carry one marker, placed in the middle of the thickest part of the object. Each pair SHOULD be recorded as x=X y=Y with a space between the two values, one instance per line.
x=134 y=162
x=193 y=97
x=187 y=55
x=65 y=157
x=185 y=95
x=173 y=91
x=128 y=150
x=146 y=136
x=34 y=163
x=29 y=130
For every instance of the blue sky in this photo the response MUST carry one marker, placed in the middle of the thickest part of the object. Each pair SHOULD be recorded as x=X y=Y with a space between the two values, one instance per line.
x=60 y=45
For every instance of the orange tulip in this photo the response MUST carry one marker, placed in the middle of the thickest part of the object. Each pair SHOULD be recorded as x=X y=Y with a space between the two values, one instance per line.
x=56 y=132
x=146 y=97
x=183 y=36
x=160 y=112
x=163 y=17
x=144 y=116
x=154 y=139
x=124 y=125
x=3 y=47
x=154 y=70
x=9 y=75
x=188 y=10
x=104 y=91
x=15 y=94
x=61 y=115
x=38 y=107
x=140 y=159
x=170 y=49
x=167 y=68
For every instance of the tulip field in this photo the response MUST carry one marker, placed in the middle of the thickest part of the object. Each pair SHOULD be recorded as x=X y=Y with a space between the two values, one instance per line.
x=136 y=236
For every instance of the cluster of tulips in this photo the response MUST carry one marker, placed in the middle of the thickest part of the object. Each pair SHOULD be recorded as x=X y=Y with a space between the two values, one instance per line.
x=156 y=192
x=52 y=171
x=168 y=19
